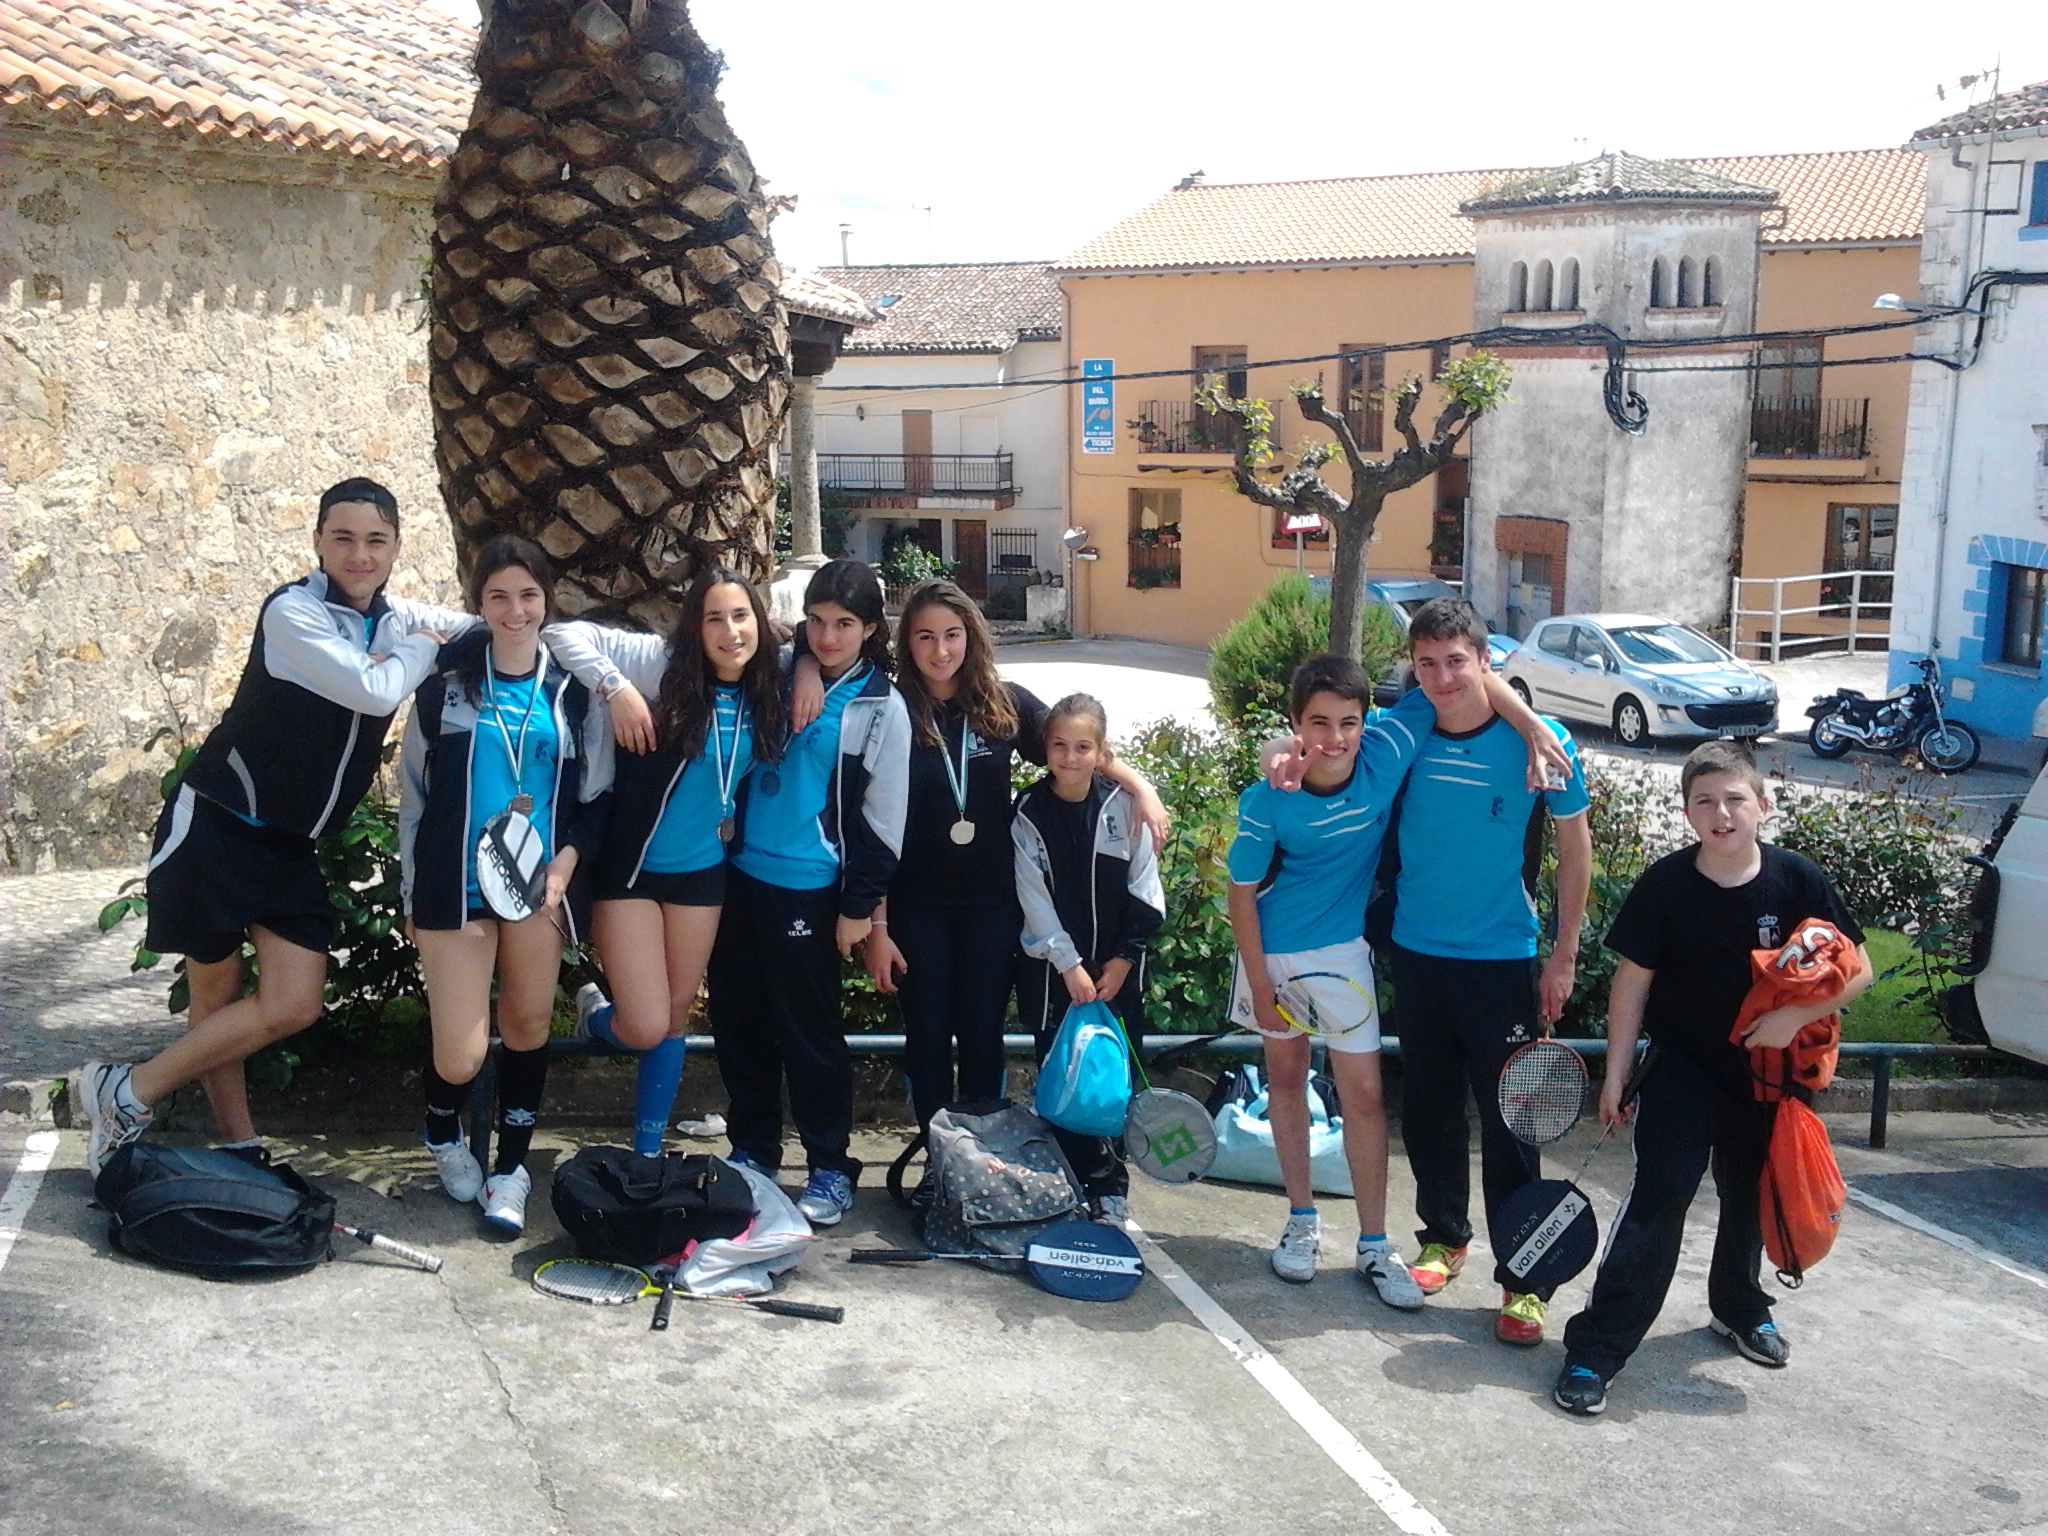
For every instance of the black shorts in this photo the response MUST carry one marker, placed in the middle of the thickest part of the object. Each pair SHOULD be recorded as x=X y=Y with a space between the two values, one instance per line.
x=212 y=877
x=691 y=888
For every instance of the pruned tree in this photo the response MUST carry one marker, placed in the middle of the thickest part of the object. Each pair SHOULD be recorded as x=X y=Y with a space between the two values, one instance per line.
x=1471 y=386
x=610 y=355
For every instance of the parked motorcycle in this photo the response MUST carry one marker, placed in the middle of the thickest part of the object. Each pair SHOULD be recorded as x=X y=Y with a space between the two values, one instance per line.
x=1911 y=717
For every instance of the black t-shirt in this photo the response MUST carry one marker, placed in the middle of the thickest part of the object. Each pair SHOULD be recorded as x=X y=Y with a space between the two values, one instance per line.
x=935 y=869
x=1697 y=937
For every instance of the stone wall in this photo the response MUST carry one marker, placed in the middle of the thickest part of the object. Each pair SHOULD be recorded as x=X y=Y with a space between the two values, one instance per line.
x=197 y=341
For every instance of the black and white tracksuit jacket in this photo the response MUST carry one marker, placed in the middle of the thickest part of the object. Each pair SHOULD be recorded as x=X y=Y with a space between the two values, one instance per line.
x=1091 y=904
x=300 y=743
x=434 y=798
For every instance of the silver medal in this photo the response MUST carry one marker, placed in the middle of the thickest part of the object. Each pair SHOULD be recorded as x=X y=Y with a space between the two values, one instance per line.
x=725 y=829
x=963 y=831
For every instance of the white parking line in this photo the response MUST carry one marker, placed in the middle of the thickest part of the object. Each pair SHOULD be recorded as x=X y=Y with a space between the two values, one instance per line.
x=21 y=1190
x=1975 y=1249
x=1337 y=1442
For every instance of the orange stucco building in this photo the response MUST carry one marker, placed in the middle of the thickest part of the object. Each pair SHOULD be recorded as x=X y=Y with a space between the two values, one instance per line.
x=1229 y=277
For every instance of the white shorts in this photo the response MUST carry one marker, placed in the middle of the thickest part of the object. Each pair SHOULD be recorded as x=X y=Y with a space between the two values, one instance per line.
x=1333 y=997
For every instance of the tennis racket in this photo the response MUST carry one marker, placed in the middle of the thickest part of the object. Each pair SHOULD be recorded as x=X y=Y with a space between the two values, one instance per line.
x=430 y=1262
x=602 y=1284
x=1542 y=1092
x=1326 y=1003
x=1081 y=1260
x=1545 y=1232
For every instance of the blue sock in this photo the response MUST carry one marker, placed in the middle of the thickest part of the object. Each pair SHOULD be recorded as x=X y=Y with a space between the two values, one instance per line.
x=654 y=1092
x=1301 y=1210
x=1370 y=1240
x=600 y=1025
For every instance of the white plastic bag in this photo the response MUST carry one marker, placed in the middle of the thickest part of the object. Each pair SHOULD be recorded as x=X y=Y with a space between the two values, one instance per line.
x=748 y=1264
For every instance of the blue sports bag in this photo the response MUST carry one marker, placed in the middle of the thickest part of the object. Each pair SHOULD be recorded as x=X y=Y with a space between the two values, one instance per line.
x=1084 y=1084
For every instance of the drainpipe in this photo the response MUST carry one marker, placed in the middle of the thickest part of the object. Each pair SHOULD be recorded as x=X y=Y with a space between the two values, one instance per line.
x=1955 y=391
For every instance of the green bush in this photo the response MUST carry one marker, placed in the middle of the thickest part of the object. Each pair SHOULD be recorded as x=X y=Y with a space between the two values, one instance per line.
x=1253 y=661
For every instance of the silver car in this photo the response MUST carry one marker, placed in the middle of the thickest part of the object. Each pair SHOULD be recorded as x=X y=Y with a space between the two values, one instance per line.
x=1642 y=677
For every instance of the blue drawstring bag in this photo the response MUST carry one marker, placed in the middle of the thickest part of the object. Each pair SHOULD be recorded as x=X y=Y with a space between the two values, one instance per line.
x=1084 y=1084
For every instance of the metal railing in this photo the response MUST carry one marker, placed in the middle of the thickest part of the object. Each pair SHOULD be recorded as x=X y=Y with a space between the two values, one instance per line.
x=1808 y=427
x=1154 y=564
x=919 y=474
x=1839 y=597
x=1181 y=426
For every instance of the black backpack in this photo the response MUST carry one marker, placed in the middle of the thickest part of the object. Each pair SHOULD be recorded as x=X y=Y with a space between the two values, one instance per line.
x=218 y=1214
x=632 y=1209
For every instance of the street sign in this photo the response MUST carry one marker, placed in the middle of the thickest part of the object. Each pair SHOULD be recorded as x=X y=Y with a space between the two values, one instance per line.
x=1301 y=522
x=1098 y=405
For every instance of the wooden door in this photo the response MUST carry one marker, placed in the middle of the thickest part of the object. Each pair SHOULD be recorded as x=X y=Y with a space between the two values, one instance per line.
x=917 y=452
x=970 y=556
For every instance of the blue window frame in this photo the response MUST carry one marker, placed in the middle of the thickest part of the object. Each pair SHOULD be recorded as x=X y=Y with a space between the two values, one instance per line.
x=2037 y=204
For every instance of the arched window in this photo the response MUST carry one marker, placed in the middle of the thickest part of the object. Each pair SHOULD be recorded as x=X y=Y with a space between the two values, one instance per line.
x=1568 y=284
x=1518 y=287
x=1660 y=291
x=1710 y=282
x=1540 y=293
x=1685 y=289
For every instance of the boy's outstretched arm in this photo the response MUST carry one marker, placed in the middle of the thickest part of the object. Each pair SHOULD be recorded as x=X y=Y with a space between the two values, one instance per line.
x=1546 y=752
x=1625 y=998
x=1574 y=882
x=1774 y=1030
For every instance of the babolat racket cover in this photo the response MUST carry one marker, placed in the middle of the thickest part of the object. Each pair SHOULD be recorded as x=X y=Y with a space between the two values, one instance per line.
x=510 y=876
x=1169 y=1136
x=1084 y=1261
x=1545 y=1233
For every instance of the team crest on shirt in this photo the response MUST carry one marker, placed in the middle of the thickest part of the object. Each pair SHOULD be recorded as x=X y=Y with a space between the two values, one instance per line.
x=1498 y=809
x=1109 y=825
x=1767 y=931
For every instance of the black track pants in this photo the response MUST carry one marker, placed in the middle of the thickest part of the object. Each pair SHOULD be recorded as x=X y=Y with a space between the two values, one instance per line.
x=1458 y=1022
x=960 y=967
x=774 y=983
x=1687 y=1120
x=1097 y=1161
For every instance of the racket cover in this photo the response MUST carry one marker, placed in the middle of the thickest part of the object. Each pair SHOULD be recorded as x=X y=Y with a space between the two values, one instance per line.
x=1169 y=1136
x=1545 y=1233
x=1084 y=1261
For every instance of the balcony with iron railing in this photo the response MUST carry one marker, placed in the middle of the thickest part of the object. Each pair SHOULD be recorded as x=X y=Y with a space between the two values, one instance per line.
x=1808 y=427
x=919 y=474
x=1182 y=426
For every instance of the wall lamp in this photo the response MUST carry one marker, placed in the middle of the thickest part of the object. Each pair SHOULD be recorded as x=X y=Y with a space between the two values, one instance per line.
x=1915 y=307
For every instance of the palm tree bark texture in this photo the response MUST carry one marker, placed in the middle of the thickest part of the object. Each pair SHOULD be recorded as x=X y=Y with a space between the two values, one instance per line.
x=1472 y=385
x=610 y=354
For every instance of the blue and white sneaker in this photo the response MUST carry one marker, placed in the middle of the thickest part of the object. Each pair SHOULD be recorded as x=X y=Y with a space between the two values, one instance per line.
x=504 y=1200
x=740 y=1159
x=1763 y=1343
x=460 y=1176
x=109 y=1111
x=826 y=1198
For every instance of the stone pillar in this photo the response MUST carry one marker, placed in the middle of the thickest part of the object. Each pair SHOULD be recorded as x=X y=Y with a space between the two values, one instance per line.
x=807 y=536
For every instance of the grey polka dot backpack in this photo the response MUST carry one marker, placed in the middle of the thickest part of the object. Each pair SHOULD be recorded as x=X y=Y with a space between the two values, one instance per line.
x=994 y=1177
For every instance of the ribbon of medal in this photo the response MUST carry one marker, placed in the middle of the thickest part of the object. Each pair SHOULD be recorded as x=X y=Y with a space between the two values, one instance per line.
x=521 y=801
x=963 y=830
x=728 y=766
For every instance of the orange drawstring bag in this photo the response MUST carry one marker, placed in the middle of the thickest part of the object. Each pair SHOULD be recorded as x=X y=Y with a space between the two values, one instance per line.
x=1801 y=1194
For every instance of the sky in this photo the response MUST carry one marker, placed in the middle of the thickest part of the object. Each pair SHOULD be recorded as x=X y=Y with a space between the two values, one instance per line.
x=975 y=130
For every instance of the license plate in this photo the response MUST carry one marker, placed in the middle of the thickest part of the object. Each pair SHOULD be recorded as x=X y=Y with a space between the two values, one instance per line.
x=1745 y=730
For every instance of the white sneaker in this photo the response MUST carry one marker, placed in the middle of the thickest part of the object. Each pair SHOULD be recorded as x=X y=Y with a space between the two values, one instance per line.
x=589 y=998
x=1299 y=1248
x=113 y=1122
x=1383 y=1265
x=460 y=1176
x=505 y=1199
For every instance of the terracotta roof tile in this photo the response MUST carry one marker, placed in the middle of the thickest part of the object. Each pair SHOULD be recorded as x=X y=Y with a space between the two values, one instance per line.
x=970 y=307
x=384 y=79
x=2023 y=108
x=807 y=293
x=1842 y=197
x=1619 y=177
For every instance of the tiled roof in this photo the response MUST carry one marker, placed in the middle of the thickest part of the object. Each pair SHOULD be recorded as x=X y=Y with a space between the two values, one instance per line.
x=2015 y=109
x=385 y=79
x=1844 y=197
x=969 y=307
x=809 y=294
x=1618 y=177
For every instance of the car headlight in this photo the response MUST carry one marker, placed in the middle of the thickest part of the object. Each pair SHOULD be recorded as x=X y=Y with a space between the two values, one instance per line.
x=1677 y=692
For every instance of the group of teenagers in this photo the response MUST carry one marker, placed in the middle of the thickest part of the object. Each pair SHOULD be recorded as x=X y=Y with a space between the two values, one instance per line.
x=718 y=807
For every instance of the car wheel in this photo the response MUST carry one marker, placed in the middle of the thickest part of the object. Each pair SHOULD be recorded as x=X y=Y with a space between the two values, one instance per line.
x=1631 y=724
x=1949 y=747
x=1522 y=691
x=1825 y=740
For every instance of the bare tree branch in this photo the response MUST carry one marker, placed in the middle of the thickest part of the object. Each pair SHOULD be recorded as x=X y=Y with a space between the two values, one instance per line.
x=1404 y=414
x=1249 y=485
x=1318 y=411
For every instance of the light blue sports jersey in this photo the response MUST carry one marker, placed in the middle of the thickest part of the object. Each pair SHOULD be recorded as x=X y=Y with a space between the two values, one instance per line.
x=490 y=764
x=686 y=837
x=1315 y=853
x=784 y=845
x=1465 y=828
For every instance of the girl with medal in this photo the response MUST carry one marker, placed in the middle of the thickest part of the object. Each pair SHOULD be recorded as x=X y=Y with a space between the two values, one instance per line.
x=819 y=840
x=946 y=940
x=661 y=875
x=505 y=773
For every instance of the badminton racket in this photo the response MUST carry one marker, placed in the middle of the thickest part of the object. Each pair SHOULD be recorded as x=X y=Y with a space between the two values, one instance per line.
x=1542 y=1092
x=602 y=1284
x=430 y=1262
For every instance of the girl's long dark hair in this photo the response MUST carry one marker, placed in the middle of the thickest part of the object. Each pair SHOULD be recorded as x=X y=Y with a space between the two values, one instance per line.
x=682 y=711
x=854 y=586
x=981 y=695
x=506 y=552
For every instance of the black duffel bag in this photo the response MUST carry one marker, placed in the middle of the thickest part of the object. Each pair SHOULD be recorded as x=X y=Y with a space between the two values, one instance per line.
x=220 y=1214
x=633 y=1209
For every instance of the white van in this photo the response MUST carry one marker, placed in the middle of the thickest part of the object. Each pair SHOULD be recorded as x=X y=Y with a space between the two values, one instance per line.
x=2009 y=989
